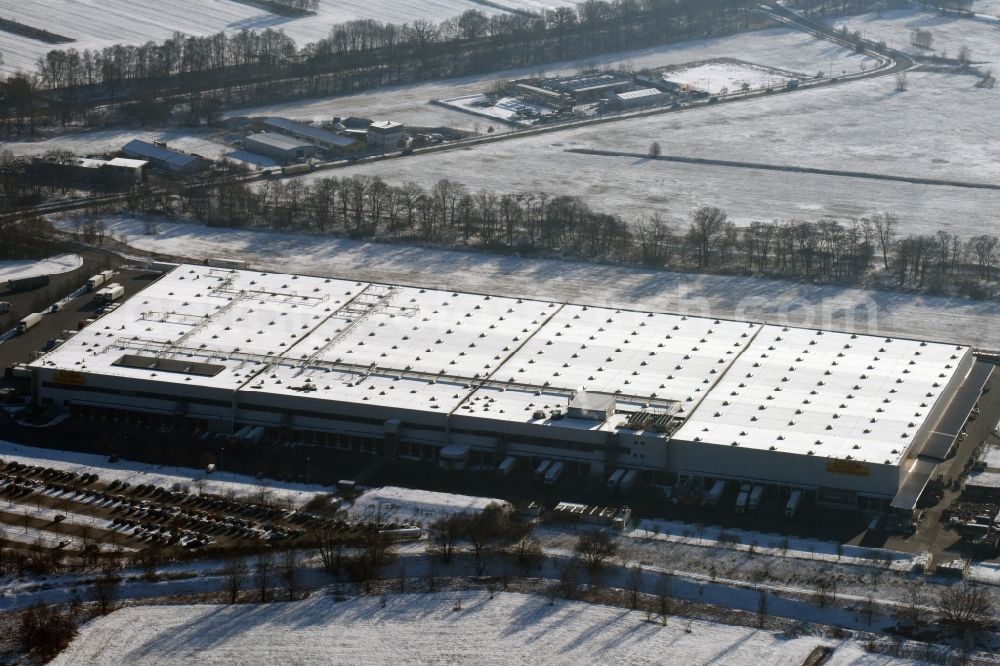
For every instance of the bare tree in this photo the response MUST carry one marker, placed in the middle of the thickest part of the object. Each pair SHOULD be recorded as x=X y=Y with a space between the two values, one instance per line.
x=761 y=608
x=595 y=547
x=654 y=149
x=826 y=590
x=290 y=572
x=901 y=82
x=966 y=607
x=235 y=572
x=868 y=607
x=664 y=599
x=634 y=585
x=330 y=546
x=263 y=564
x=446 y=533
x=885 y=230
x=106 y=587
x=528 y=552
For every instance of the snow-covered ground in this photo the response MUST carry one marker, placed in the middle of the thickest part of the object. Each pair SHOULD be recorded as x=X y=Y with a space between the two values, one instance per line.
x=731 y=297
x=712 y=77
x=416 y=506
x=778 y=48
x=428 y=628
x=101 y=24
x=772 y=544
x=949 y=33
x=23 y=268
x=986 y=7
x=218 y=483
x=208 y=143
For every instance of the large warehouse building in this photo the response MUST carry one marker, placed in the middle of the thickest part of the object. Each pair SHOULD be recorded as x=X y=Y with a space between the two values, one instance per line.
x=858 y=421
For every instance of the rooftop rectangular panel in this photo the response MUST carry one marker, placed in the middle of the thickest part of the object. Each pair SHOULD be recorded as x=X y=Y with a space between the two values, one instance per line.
x=169 y=365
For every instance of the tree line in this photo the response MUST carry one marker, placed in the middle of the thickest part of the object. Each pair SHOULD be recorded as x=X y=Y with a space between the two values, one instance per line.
x=248 y=66
x=451 y=214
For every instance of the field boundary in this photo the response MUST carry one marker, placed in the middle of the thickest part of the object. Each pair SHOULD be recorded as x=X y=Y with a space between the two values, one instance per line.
x=788 y=168
x=31 y=32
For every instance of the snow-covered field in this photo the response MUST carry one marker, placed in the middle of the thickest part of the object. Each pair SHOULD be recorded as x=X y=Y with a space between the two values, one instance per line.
x=949 y=33
x=987 y=7
x=778 y=48
x=771 y=301
x=101 y=24
x=712 y=77
x=862 y=126
x=22 y=268
x=427 y=628
x=219 y=483
x=418 y=506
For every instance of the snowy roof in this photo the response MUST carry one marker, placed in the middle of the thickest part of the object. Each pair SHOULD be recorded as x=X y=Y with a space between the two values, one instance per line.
x=429 y=352
x=278 y=141
x=991 y=458
x=828 y=394
x=385 y=126
x=637 y=94
x=314 y=133
x=127 y=163
x=160 y=153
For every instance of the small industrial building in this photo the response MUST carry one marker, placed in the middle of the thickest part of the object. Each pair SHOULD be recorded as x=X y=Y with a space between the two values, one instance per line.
x=117 y=173
x=386 y=136
x=631 y=99
x=279 y=147
x=589 y=86
x=161 y=157
x=325 y=141
x=852 y=421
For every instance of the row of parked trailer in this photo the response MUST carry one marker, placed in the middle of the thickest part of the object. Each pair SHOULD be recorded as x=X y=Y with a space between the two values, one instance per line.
x=749 y=497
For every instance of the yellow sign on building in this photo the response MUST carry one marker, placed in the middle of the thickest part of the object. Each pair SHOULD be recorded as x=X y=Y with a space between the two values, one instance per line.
x=69 y=377
x=852 y=467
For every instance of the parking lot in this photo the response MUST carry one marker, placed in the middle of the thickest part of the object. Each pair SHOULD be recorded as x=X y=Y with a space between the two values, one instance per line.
x=19 y=348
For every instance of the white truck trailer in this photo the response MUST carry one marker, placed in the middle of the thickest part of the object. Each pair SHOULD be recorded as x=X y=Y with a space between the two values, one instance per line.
x=715 y=494
x=29 y=322
x=627 y=482
x=615 y=479
x=95 y=281
x=110 y=293
x=554 y=473
x=755 y=496
x=506 y=466
x=743 y=498
x=542 y=468
x=793 y=503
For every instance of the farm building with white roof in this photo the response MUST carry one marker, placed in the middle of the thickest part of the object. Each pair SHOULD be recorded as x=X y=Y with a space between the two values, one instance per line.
x=402 y=371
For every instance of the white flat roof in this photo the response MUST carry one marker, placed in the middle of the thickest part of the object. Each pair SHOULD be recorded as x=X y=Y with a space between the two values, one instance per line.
x=482 y=356
x=826 y=394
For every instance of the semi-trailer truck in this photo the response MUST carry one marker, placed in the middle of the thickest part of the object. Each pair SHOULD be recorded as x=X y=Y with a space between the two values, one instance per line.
x=542 y=468
x=554 y=473
x=793 y=503
x=95 y=281
x=19 y=284
x=507 y=466
x=715 y=494
x=743 y=498
x=29 y=322
x=628 y=480
x=615 y=479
